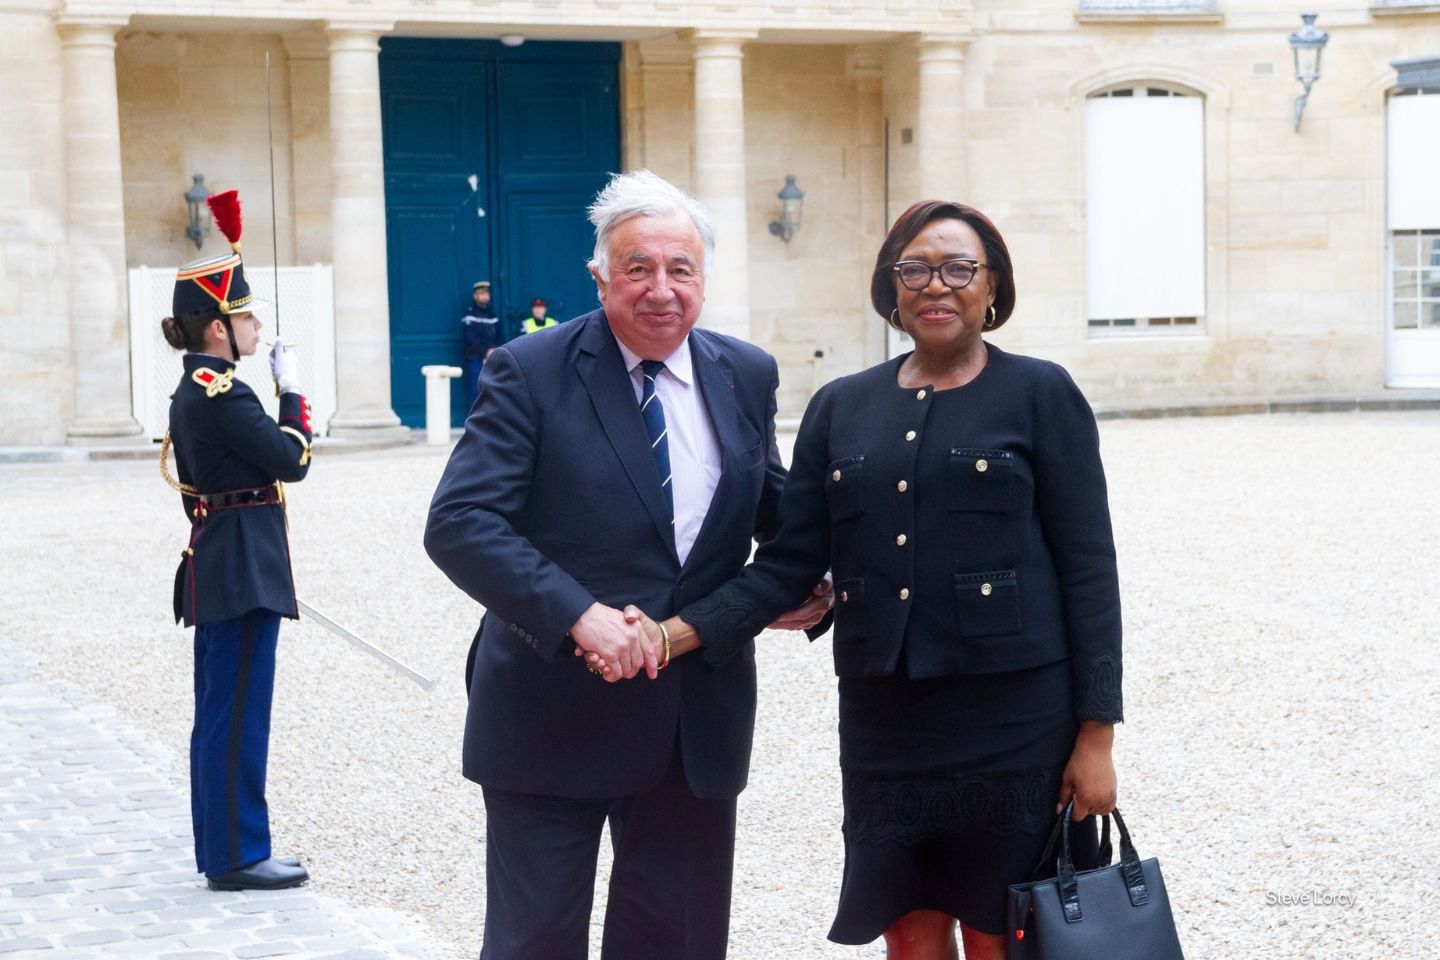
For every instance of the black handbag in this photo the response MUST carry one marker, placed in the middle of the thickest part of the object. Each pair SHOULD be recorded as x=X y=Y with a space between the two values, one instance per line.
x=1113 y=912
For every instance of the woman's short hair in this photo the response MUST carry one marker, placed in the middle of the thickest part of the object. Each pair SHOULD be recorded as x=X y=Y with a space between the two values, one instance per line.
x=643 y=194
x=908 y=226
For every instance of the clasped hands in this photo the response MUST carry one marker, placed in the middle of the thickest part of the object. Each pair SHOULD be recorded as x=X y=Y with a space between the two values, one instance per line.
x=619 y=644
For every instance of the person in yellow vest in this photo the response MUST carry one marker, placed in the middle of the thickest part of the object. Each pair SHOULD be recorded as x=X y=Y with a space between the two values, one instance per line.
x=538 y=320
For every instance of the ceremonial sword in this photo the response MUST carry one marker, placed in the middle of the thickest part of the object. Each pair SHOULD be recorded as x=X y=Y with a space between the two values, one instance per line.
x=425 y=682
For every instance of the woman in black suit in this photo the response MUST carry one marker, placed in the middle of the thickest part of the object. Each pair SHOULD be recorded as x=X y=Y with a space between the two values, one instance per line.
x=957 y=495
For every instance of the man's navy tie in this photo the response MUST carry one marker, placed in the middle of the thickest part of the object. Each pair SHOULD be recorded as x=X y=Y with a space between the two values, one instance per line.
x=654 y=414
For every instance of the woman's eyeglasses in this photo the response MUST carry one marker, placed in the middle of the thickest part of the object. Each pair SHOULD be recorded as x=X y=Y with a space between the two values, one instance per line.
x=955 y=274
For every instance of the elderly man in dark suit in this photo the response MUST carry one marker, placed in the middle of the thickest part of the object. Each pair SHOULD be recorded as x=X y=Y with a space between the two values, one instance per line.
x=621 y=458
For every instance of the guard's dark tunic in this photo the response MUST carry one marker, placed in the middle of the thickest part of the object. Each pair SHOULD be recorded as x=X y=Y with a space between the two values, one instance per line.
x=238 y=558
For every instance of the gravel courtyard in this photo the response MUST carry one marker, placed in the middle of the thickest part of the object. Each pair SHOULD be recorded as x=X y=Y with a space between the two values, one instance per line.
x=1281 y=758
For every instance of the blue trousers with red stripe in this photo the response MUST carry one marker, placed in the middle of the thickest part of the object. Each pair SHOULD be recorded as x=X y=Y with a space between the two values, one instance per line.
x=234 y=683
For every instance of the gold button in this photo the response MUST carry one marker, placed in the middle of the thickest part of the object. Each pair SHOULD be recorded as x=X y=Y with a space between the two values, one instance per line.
x=900 y=540
x=904 y=593
x=986 y=589
x=920 y=395
x=844 y=596
x=902 y=486
x=982 y=465
x=835 y=476
x=910 y=435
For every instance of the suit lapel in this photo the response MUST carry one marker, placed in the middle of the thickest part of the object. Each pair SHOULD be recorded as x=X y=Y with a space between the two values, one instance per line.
x=602 y=370
x=717 y=388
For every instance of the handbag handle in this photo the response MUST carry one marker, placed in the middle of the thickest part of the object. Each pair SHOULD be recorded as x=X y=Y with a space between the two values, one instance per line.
x=1130 y=870
x=1130 y=865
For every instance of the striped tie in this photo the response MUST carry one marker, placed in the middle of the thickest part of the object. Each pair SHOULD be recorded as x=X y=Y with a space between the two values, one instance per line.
x=654 y=414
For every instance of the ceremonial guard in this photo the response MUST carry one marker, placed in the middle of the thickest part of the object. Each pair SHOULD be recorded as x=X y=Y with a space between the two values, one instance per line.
x=234 y=582
x=481 y=326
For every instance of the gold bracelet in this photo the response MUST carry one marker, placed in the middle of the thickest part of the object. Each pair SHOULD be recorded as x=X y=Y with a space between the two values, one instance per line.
x=665 y=637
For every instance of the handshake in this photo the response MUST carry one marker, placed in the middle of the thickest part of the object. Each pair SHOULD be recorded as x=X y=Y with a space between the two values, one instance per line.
x=618 y=644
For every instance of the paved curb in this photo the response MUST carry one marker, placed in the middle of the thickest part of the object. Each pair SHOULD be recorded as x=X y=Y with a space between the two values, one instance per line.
x=149 y=450
x=1228 y=407
x=96 y=857
x=1242 y=406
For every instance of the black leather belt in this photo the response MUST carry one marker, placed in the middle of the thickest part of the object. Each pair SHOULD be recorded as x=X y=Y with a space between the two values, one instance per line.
x=240 y=498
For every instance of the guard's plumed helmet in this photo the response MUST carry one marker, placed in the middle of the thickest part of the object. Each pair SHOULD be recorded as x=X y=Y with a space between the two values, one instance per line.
x=217 y=286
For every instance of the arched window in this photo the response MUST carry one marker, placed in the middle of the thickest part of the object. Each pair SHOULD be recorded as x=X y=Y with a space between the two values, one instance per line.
x=1145 y=209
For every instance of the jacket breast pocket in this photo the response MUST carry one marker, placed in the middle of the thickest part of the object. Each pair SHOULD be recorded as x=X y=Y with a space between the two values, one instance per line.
x=843 y=490
x=979 y=480
x=987 y=604
x=850 y=610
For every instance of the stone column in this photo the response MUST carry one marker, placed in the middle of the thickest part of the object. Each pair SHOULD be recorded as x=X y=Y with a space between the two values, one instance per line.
x=357 y=220
x=308 y=52
x=720 y=174
x=940 y=128
x=664 y=108
x=865 y=65
x=95 y=230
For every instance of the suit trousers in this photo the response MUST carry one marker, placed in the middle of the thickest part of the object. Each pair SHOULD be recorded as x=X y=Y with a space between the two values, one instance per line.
x=669 y=896
x=230 y=741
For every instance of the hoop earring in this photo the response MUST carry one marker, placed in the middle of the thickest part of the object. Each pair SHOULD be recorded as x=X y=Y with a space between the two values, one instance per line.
x=990 y=318
x=895 y=319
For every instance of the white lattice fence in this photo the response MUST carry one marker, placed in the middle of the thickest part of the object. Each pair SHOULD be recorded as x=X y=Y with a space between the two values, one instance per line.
x=307 y=322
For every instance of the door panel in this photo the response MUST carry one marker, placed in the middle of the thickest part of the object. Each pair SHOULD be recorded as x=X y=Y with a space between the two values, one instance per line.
x=558 y=122
x=558 y=139
x=425 y=129
x=436 y=135
x=548 y=247
x=538 y=127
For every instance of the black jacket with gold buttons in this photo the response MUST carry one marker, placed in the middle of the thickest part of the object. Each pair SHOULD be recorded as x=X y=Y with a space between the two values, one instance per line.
x=976 y=538
x=230 y=453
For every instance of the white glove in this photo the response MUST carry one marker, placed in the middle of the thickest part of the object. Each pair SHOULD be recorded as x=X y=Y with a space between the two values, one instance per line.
x=285 y=368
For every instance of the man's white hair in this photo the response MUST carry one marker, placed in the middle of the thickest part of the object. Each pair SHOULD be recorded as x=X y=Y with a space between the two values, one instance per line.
x=643 y=194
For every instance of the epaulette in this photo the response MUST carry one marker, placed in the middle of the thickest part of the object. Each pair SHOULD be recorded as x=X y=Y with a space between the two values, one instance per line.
x=214 y=383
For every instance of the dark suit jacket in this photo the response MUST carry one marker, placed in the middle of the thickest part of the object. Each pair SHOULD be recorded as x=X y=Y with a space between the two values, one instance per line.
x=238 y=559
x=552 y=501
x=1008 y=561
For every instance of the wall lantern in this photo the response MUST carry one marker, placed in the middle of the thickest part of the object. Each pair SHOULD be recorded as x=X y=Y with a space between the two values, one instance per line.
x=198 y=227
x=1307 y=42
x=792 y=199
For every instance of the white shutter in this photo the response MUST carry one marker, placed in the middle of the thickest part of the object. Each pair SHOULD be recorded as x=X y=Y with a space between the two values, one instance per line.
x=1145 y=207
x=1413 y=148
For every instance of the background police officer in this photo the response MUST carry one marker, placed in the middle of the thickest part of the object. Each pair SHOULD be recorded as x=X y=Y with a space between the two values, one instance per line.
x=234 y=582
x=481 y=326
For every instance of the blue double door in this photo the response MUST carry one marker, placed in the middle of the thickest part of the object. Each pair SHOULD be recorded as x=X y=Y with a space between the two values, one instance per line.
x=491 y=156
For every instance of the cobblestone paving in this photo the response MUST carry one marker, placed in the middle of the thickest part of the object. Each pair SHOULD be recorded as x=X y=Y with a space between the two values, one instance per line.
x=96 y=857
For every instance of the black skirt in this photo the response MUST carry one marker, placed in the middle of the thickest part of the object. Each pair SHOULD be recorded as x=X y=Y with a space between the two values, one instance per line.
x=950 y=786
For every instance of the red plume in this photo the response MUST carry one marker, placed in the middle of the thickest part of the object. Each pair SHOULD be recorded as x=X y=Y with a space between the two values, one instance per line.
x=225 y=208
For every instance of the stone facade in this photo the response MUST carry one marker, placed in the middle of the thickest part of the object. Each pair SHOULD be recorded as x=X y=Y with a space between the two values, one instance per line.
x=870 y=103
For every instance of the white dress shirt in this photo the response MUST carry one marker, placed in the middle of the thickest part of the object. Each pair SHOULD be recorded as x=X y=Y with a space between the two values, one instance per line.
x=694 y=450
